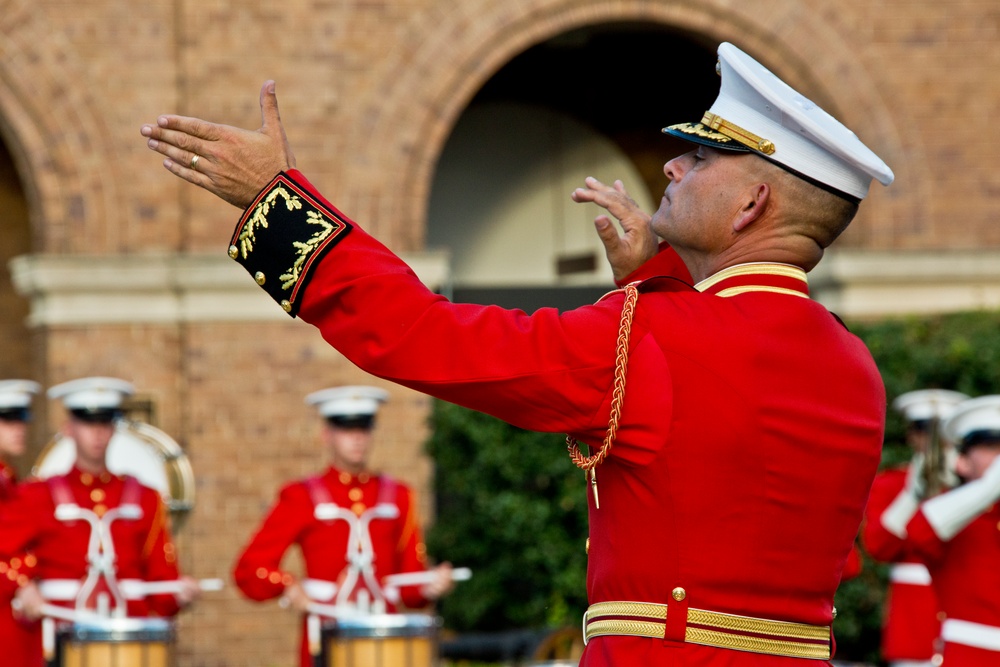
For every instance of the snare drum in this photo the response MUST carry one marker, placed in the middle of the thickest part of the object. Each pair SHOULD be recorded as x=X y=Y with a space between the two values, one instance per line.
x=116 y=642
x=381 y=640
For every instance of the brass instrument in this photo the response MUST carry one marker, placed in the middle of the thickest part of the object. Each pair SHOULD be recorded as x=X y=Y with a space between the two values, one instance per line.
x=925 y=410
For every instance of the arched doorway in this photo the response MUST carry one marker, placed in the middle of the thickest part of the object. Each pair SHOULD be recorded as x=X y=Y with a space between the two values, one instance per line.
x=15 y=239
x=590 y=101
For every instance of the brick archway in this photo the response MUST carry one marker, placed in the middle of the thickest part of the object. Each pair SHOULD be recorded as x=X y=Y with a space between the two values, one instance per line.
x=449 y=54
x=60 y=144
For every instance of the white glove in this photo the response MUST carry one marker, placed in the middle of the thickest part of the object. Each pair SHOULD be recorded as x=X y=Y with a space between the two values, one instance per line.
x=904 y=506
x=949 y=513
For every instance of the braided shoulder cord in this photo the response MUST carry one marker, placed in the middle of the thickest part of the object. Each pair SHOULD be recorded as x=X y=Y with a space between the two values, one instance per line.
x=587 y=463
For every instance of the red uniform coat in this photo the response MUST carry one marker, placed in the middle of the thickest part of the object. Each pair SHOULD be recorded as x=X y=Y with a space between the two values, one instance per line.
x=8 y=479
x=397 y=543
x=910 y=625
x=59 y=549
x=19 y=640
x=966 y=574
x=750 y=433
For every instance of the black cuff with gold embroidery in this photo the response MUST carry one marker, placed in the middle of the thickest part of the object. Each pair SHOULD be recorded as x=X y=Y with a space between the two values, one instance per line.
x=282 y=236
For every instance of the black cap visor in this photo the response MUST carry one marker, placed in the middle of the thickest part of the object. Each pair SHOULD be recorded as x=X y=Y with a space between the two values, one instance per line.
x=352 y=421
x=95 y=416
x=15 y=414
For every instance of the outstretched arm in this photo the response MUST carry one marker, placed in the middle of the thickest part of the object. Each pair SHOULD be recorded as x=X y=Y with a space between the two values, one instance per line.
x=627 y=252
x=229 y=162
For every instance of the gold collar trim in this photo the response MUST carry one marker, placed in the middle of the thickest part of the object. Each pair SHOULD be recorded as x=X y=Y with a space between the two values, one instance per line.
x=755 y=268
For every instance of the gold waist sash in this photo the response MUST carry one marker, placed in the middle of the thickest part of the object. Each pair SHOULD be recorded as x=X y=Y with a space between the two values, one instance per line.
x=710 y=628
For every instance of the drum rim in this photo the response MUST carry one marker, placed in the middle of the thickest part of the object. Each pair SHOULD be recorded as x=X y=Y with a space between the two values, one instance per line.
x=118 y=630
x=383 y=625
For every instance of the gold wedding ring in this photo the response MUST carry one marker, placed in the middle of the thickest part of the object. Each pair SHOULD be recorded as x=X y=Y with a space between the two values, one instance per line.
x=194 y=162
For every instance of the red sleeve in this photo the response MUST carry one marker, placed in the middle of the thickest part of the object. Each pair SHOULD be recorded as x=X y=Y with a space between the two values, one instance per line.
x=925 y=543
x=258 y=570
x=666 y=262
x=411 y=552
x=159 y=554
x=854 y=565
x=369 y=305
x=29 y=514
x=881 y=544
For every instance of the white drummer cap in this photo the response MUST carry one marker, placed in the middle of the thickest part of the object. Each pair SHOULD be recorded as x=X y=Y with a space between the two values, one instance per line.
x=17 y=394
x=93 y=397
x=974 y=418
x=925 y=404
x=348 y=403
x=759 y=113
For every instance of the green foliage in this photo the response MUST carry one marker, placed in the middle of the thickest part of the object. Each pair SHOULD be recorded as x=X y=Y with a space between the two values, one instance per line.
x=960 y=352
x=512 y=506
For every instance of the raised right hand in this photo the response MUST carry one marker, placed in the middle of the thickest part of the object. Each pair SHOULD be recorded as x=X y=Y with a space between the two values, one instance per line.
x=638 y=244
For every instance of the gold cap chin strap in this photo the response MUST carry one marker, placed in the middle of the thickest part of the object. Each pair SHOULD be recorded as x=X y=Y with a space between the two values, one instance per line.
x=737 y=133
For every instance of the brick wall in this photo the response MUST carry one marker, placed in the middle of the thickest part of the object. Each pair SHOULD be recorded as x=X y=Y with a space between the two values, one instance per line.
x=369 y=91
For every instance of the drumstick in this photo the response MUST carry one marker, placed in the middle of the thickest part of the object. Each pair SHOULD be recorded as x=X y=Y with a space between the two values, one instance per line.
x=426 y=577
x=162 y=587
x=62 y=613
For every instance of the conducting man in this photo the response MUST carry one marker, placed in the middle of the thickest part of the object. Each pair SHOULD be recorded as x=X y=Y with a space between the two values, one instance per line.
x=737 y=424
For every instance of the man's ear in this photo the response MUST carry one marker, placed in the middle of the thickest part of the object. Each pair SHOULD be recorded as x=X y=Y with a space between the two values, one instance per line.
x=753 y=206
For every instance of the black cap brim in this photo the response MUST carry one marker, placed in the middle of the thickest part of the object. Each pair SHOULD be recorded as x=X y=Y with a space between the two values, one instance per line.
x=352 y=421
x=696 y=133
x=96 y=416
x=15 y=414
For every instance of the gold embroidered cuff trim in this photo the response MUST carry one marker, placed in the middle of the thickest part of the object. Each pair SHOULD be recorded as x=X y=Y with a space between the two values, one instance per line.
x=755 y=269
x=284 y=233
x=709 y=628
x=737 y=133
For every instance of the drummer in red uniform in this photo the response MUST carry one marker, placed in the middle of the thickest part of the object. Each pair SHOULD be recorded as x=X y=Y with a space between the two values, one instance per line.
x=911 y=625
x=353 y=526
x=68 y=565
x=15 y=412
x=17 y=640
x=958 y=535
x=736 y=425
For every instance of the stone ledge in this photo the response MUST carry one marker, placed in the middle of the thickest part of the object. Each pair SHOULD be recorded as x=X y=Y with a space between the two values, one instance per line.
x=871 y=284
x=159 y=289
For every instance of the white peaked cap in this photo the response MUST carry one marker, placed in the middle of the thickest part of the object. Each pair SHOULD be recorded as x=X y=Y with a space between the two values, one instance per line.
x=348 y=401
x=759 y=113
x=975 y=414
x=928 y=403
x=17 y=393
x=93 y=393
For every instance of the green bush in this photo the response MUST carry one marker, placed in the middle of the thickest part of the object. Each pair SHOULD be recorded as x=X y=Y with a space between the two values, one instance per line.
x=512 y=506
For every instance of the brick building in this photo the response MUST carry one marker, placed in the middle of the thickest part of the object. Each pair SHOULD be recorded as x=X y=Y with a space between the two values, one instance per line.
x=117 y=269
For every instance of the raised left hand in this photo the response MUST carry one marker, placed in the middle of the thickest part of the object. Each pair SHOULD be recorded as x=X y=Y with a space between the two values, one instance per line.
x=230 y=162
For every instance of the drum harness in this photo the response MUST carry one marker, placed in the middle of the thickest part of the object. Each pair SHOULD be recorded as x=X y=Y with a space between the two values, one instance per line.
x=101 y=555
x=360 y=552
